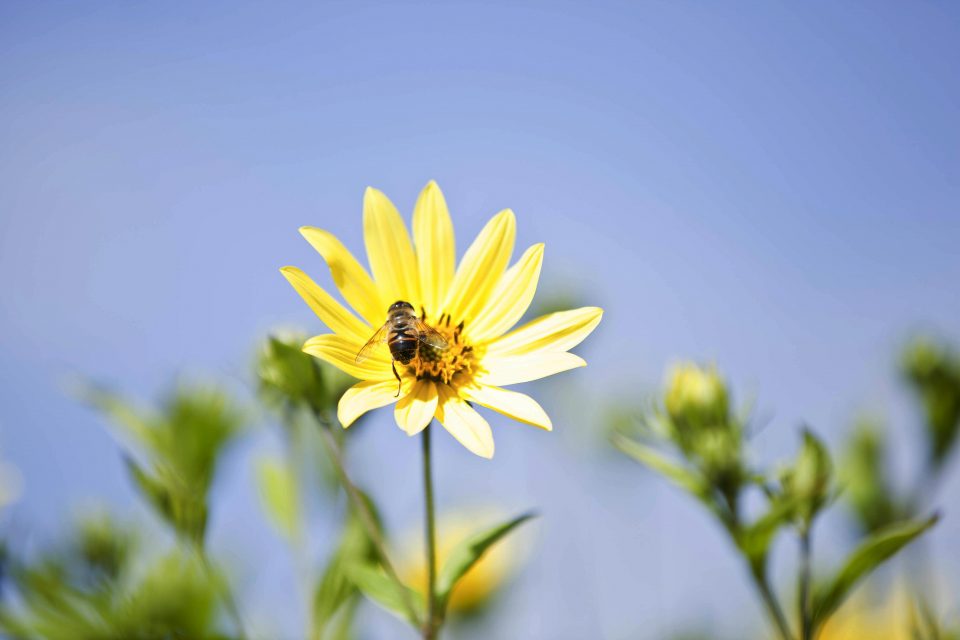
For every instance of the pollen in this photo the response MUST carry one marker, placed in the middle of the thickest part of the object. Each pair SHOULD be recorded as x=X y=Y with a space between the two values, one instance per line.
x=458 y=359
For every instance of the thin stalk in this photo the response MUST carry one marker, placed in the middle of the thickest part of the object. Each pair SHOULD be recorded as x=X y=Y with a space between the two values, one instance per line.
x=772 y=605
x=731 y=520
x=233 y=609
x=432 y=624
x=366 y=517
x=806 y=617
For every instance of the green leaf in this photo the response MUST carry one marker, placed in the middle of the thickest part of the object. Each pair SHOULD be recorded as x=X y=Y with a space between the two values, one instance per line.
x=333 y=590
x=133 y=424
x=467 y=553
x=184 y=510
x=336 y=596
x=279 y=495
x=153 y=491
x=684 y=478
x=871 y=553
x=755 y=539
x=377 y=586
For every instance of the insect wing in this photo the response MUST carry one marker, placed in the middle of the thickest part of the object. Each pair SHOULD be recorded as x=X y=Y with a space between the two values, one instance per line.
x=368 y=349
x=430 y=336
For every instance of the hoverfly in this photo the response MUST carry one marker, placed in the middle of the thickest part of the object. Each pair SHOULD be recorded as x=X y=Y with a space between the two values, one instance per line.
x=403 y=332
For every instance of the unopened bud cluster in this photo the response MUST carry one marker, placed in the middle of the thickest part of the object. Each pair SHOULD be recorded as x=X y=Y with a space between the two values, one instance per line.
x=698 y=408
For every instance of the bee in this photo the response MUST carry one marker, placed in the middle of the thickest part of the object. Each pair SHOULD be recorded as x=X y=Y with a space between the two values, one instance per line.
x=403 y=332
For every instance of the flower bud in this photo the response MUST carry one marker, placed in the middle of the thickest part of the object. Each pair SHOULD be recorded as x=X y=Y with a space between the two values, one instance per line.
x=809 y=480
x=288 y=376
x=865 y=477
x=696 y=397
x=934 y=373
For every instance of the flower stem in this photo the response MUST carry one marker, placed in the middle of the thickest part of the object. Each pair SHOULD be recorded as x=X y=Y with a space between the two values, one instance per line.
x=806 y=621
x=362 y=509
x=772 y=605
x=431 y=626
x=226 y=595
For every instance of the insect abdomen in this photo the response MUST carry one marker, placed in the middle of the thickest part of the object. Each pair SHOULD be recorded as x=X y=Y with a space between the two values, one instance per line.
x=403 y=346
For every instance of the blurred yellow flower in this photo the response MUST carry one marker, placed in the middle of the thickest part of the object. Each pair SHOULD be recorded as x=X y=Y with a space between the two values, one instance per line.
x=483 y=579
x=472 y=305
x=892 y=618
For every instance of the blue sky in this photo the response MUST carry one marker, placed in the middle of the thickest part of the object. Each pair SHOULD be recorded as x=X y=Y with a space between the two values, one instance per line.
x=773 y=186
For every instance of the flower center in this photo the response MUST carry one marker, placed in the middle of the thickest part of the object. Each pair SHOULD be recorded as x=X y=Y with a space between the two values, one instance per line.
x=441 y=365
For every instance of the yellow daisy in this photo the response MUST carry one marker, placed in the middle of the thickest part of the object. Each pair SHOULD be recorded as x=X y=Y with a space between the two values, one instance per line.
x=472 y=305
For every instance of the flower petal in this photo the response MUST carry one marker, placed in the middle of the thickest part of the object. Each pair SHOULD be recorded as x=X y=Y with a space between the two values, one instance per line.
x=436 y=252
x=510 y=299
x=481 y=268
x=415 y=410
x=507 y=370
x=518 y=406
x=365 y=396
x=332 y=313
x=554 y=332
x=392 y=260
x=351 y=279
x=463 y=423
x=342 y=354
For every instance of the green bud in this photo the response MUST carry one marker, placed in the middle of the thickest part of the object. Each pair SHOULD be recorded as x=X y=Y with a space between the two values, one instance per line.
x=808 y=481
x=934 y=373
x=289 y=377
x=864 y=477
x=697 y=405
x=696 y=397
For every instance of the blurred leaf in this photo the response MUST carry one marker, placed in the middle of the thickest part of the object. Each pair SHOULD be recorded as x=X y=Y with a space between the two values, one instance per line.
x=377 y=586
x=688 y=480
x=118 y=410
x=94 y=586
x=467 y=553
x=279 y=495
x=183 y=510
x=870 y=554
x=755 y=539
x=333 y=591
x=176 y=599
x=183 y=442
x=335 y=596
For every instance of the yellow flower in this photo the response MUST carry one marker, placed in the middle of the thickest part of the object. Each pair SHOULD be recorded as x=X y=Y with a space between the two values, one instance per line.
x=473 y=305
x=483 y=579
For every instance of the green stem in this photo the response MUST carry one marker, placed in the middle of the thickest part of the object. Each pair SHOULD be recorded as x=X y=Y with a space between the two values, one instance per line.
x=362 y=509
x=771 y=603
x=806 y=620
x=431 y=627
x=233 y=610
x=731 y=520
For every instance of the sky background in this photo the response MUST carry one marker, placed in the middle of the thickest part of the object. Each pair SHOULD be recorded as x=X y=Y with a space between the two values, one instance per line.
x=770 y=186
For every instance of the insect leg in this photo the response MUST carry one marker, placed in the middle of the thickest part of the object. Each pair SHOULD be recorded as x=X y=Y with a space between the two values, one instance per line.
x=396 y=375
